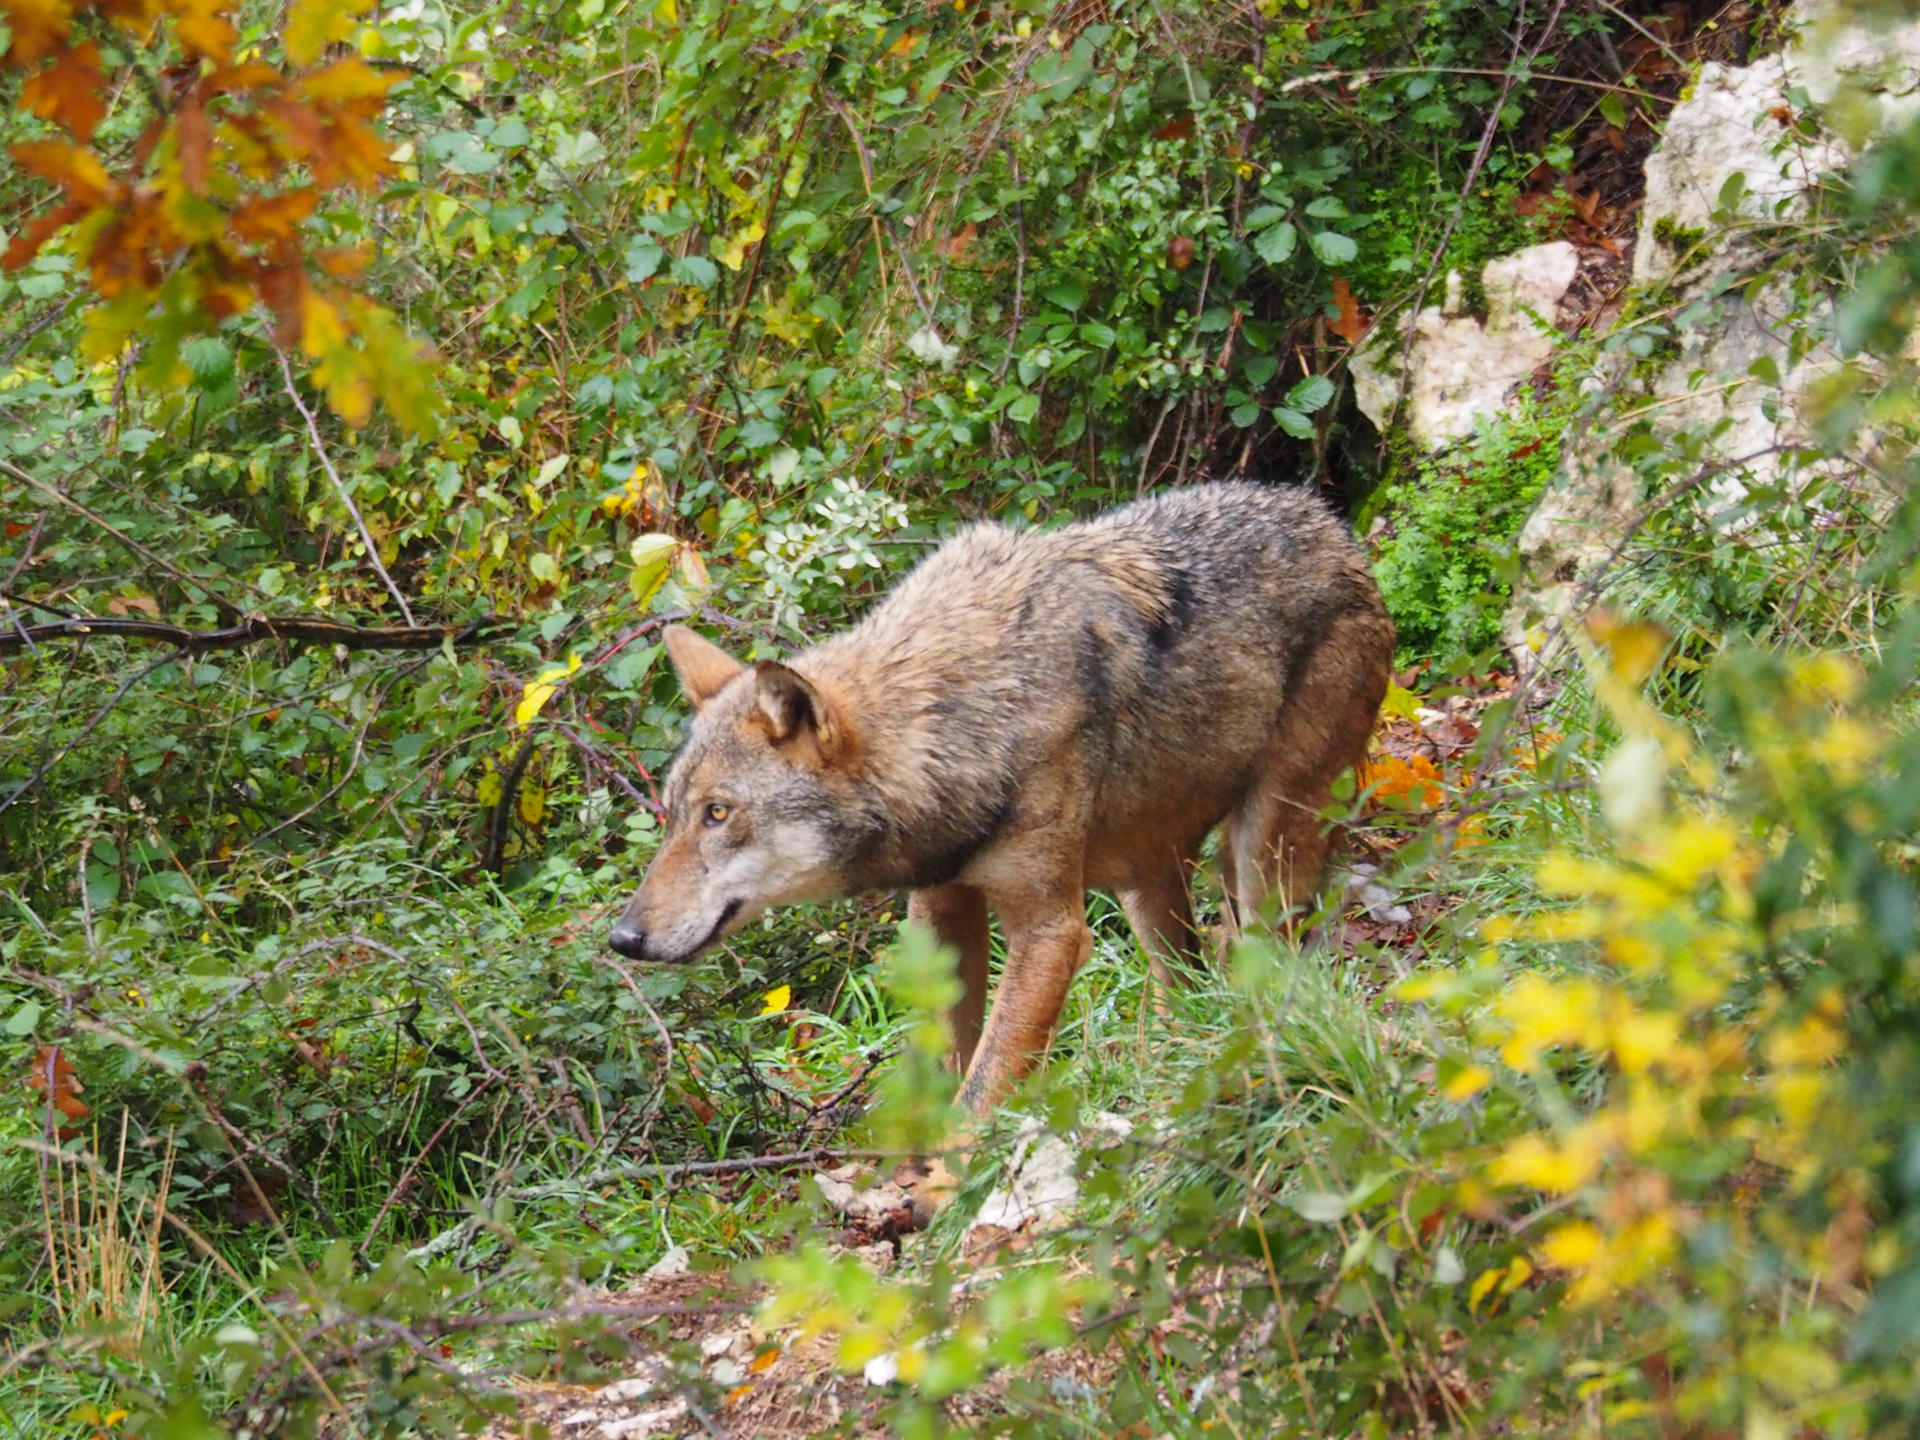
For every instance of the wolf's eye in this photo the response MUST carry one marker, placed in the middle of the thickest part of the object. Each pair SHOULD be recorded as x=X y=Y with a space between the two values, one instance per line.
x=717 y=814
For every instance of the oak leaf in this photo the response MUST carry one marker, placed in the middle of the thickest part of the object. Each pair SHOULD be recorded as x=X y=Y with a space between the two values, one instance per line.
x=70 y=92
x=314 y=24
x=203 y=27
x=39 y=28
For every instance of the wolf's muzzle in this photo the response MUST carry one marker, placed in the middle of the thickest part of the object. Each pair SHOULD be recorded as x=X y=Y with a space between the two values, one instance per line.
x=628 y=939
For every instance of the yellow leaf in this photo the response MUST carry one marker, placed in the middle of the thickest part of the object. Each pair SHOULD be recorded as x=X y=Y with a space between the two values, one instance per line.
x=1574 y=1247
x=1478 y=1291
x=1400 y=701
x=652 y=557
x=776 y=1000
x=312 y=24
x=693 y=570
x=533 y=802
x=534 y=696
x=1468 y=1082
x=491 y=787
x=1634 y=647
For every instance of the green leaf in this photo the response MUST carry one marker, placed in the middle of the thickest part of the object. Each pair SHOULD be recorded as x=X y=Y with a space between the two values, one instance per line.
x=1319 y=1206
x=1245 y=415
x=1263 y=217
x=1068 y=296
x=1259 y=369
x=1294 y=423
x=1023 y=410
x=22 y=1021
x=1327 y=207
x=1275 y=244
x=1332 y=247
x=695 y=270
x=1310 y=394
x=643 y=258
x=1613 y=111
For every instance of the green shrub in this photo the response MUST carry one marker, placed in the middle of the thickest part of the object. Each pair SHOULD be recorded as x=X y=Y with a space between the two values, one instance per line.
x=1444 y=558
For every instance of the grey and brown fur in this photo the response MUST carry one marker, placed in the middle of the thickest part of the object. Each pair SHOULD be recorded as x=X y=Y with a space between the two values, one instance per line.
x=1030 y=714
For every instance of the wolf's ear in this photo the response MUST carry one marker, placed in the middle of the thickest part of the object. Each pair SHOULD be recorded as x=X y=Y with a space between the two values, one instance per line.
x=703 y=667
x=791 y=711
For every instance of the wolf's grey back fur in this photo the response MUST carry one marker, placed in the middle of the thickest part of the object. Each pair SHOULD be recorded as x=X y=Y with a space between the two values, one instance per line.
x=1149 y=649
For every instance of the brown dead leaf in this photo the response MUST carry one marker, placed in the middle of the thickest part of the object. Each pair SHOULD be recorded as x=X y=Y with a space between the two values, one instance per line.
x=1352 y=325
x=53 y=1077
x=1180 y=251
x=71 y=92
x=127 y=604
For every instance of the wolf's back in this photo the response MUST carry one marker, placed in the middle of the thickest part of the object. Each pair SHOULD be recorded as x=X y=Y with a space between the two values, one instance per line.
x=1147 y=652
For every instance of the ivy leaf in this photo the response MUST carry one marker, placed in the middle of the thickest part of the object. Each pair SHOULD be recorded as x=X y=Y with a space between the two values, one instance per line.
x=1332 y=247
x=1275 y=244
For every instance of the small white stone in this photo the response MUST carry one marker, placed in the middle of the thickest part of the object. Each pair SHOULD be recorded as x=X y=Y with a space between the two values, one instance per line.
x=718 y=1343
x=882 y=1369
x=675 y=1262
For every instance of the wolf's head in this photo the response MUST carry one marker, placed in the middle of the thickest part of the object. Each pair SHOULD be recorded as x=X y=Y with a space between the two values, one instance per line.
x=757 y=805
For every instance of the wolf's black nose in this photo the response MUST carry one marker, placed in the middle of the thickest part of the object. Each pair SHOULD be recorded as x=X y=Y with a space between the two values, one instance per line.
x=629 y=940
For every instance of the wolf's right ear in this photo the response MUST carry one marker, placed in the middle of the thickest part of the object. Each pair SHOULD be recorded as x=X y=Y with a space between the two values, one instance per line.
x=703 y=667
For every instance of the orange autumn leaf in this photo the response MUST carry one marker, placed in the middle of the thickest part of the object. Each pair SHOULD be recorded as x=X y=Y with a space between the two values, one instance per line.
x=75 y=170
x=203 y=27
x=39 y=28
x=53 y=1076
x=274 y=217
x=1352 y=324
x=70 y=92
x=1416 y=782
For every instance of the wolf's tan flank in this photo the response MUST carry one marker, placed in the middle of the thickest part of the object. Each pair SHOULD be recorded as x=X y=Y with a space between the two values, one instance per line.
x=1027 y=715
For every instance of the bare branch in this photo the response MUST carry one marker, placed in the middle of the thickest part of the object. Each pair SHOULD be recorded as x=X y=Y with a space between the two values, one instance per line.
x=339 y=486
x=252 y=630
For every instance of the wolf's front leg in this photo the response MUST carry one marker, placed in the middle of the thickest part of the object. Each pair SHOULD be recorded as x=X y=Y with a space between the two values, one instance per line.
x=957 y=915
x=1047 y=943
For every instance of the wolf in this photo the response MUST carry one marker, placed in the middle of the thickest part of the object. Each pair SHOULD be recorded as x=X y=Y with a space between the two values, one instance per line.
x=1027 y=715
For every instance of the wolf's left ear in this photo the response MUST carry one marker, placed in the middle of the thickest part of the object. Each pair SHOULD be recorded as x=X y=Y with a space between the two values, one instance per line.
x=703 y=667
x=790 y=710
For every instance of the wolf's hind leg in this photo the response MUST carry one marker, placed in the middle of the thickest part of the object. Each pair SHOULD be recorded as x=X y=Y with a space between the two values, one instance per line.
x=1279 y=841
x=1161 y=913
x=957 y=914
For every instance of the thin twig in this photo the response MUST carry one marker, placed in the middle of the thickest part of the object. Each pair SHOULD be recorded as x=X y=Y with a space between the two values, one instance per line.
x=339 y=486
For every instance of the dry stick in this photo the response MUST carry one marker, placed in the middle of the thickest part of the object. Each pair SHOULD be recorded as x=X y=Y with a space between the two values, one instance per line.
x=218 y=602
x=250 y=631
x=114 y=699
x=339 y=486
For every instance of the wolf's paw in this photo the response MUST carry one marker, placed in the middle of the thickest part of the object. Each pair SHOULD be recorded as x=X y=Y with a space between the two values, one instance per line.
x=930 y=1185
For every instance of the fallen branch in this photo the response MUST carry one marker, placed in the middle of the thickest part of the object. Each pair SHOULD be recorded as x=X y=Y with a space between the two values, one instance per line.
x=252 y=630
